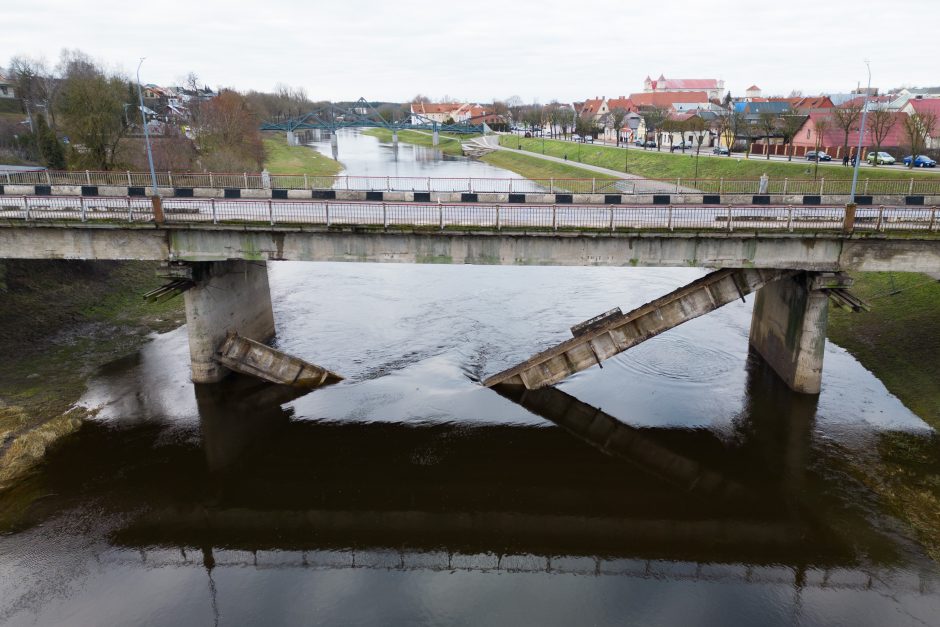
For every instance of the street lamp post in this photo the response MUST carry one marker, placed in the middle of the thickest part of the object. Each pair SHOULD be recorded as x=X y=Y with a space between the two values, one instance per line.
x=861 y=134
x=155 y=199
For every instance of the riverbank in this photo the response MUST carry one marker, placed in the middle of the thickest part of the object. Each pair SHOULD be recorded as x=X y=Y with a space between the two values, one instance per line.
x=449 y=142
x=279 y=158
x=899 y=341
x=59 y=322
x=665 y=165
x=536 y=168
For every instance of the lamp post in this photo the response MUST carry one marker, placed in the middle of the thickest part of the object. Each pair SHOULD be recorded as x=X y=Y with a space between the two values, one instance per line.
x=155 y=199
x=861 y=134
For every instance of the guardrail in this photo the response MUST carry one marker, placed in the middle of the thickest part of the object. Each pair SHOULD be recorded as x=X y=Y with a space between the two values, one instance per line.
x=610 y=218
x=247 y=180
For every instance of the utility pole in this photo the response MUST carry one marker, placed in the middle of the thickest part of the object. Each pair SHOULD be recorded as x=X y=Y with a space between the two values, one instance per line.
x=155 y=198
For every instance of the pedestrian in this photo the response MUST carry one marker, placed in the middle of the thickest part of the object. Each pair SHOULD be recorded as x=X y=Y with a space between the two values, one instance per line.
x=845 y=160
x=566 y=156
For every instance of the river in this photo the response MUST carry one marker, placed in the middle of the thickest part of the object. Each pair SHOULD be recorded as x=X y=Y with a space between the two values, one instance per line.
x=410 y=494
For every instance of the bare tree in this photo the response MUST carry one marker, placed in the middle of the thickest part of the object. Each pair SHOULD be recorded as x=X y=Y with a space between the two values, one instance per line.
x=654 y=117
x=615 y=118
x=846 y=119
x=820 y=126
x=790 y=125
x=721 y=126
x=918 y=128
x=880 y=123
x=768 y=123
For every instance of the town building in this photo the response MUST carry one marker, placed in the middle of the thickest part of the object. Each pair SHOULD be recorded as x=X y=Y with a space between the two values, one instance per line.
x=713 y=88
x=6 y=86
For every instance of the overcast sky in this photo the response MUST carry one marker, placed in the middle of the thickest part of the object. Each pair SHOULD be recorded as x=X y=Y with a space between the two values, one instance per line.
x=484 y=49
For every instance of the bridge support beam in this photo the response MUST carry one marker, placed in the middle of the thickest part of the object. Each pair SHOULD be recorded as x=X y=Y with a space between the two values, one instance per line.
x=435 y=138
x=291 y=139
x=788 y=329
x=227 y=296
x=395 y=139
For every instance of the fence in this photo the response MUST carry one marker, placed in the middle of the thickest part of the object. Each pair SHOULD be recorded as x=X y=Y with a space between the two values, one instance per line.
x=246 y=180
x=609 y=218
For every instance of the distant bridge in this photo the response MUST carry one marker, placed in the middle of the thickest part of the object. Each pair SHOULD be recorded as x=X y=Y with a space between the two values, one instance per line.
x=331 y=117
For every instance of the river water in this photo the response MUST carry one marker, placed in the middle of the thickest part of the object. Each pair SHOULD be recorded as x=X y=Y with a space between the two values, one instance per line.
x=410 y=495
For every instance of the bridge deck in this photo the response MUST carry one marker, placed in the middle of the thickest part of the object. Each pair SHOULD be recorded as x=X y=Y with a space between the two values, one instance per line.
x=478 y=215
x=624 y=331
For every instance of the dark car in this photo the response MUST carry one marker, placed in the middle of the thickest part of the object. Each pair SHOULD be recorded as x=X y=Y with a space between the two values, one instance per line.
x=650 y=144
x=920 y=161
x=720 y=150
x=812 y=155
x=681 y=146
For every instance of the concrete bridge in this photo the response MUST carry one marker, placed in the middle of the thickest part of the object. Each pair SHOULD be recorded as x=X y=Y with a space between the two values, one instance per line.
x=218 y=250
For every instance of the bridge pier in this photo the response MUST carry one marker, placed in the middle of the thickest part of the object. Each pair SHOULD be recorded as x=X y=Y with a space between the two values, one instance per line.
x=228 y=296
x=788 y=329
x=291 y=139
x=435 y=138
x=395 y=139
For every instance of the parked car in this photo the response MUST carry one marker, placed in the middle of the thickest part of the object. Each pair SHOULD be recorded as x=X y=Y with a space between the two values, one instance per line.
x=720 y=150
x=681 y=146
x=882 y=158
x=589 y=138
x=650 y=144
x=576 y=138
x=812 y=155
x=638 y=143
x=920 y=161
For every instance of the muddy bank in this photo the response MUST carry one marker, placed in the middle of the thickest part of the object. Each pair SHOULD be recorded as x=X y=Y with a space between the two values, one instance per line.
x=59 y=322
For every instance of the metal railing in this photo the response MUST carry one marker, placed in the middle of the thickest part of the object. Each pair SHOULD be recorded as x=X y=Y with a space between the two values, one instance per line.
x=610 y=218
x=249 y=180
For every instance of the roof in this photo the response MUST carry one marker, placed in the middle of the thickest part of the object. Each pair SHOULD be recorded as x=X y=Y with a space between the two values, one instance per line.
x=685 y=83
x=666 y=99
x=434 y=107
x=756 y=108
x=753 y=88
x=926 y=105
x=591 y=105
x=814 y=102
x=621 y=103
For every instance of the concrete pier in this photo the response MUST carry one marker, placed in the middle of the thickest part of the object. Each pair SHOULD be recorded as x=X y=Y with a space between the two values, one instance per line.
x=228 y=296
x=435 y=138
x=788 y=329
x=291 y=139
x=395 y=139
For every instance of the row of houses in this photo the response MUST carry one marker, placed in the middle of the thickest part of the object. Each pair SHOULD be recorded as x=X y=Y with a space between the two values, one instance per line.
x=455 y=113
x=683 y=100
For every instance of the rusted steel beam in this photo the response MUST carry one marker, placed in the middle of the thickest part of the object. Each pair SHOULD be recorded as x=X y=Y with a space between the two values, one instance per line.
x=256 y=359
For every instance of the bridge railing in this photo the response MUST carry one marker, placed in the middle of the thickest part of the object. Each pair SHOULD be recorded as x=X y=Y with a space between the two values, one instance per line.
x=255 y=180
x=611 y=218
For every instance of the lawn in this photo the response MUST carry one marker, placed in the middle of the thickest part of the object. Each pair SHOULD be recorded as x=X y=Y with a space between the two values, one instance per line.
x=279 y=158
x=449 y=142
x=535 y=168
x=666 y=165
x=899 y=339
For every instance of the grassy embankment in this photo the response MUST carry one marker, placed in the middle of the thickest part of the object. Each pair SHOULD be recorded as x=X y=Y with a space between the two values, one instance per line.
x=666 y=165
x=279 y=158
x=535 y=168
x=899 y=341
x=59 y=322
x=450 y=142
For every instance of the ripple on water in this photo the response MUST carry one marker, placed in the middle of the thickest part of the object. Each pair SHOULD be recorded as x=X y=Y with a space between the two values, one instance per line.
x=678 y=358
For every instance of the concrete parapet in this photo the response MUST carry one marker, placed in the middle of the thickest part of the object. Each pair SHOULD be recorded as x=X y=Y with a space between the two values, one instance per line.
x=788 y=329
x=299 y=194
x=228 y=296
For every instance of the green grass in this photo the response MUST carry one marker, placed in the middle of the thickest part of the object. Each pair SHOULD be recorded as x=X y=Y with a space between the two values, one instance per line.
x=899 y=339
x=450 y=142
x=899 y=342
x=279 y=158
x=535 y=168
x=666 y=165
